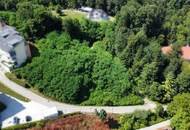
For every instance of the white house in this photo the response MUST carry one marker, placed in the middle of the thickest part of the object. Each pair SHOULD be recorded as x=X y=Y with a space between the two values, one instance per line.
x=86 y=9
x=13 y=49
x=98 y=15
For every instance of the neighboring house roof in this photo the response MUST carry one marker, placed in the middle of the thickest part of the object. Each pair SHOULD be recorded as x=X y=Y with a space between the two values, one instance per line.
x=86 y=9
x=185 y=51
x=98 y=14
x=9 y=37
x=166 y=49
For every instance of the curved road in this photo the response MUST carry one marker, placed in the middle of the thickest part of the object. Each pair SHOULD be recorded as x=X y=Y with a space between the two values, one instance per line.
x=158 y=126
x=66 y=108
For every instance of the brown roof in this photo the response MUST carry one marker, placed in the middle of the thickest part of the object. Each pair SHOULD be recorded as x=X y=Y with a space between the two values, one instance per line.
x=166 y=49
x=185 y=50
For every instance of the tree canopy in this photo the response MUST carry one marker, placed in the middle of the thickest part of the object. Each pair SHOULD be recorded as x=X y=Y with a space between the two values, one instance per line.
x=111 y=63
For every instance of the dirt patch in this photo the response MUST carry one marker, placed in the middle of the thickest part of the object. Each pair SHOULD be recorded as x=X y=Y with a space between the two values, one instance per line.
x=76 y=122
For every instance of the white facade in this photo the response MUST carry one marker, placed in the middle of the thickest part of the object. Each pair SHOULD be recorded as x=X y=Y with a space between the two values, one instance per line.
x=97 y=15
x=13 y=49
x=86 y=9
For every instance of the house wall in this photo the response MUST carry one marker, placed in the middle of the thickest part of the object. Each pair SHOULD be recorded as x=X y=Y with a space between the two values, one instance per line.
x=3 y=55
x=21 y=54
x=98 y=15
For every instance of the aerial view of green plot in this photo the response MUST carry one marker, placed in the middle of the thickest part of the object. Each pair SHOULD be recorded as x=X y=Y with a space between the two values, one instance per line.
x=95 y=64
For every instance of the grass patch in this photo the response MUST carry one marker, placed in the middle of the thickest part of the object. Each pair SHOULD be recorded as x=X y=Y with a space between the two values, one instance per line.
x=71 y=14
x=6 y=90
x=131 y=100
x=74 y=14
x=20 y=82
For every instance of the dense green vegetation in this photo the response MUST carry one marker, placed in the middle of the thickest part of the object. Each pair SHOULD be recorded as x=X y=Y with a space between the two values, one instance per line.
x=137 y=39
x=179 y=108
x=37 y=124
x=32 y=20
x=70 y=71
x=110 y=6
x=113 y=63
x=141 y=119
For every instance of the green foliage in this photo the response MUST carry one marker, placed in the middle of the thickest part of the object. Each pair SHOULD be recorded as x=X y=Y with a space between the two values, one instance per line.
x=26 y=126
x=104 y=63
x=139 y=119
x=183 y=81
x=160 y=111
x=8 y=17
x=34 y=21
x=130 y=100
x=179 y=103
x=59 y=10
x=180 y=109
x=142 y=27
x=8 y=4
x=84 y=30
x=181 y=121
x=77 y=73
x=65 y=81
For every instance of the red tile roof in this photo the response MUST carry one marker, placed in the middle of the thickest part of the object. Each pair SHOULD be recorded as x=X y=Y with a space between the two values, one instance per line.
x=185 y=50
x=166 y=49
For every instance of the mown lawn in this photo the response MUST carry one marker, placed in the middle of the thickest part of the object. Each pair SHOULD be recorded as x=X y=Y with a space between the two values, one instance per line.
x=71 y=13
x=8 y=91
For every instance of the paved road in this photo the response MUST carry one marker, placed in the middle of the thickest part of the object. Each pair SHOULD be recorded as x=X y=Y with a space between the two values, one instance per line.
x=66 y=108
x=158 y=126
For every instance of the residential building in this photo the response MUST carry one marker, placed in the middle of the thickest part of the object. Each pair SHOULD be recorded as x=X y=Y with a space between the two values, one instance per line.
x=13 y=49
x=86 y=9
x=185 y=51
x=98 y=15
